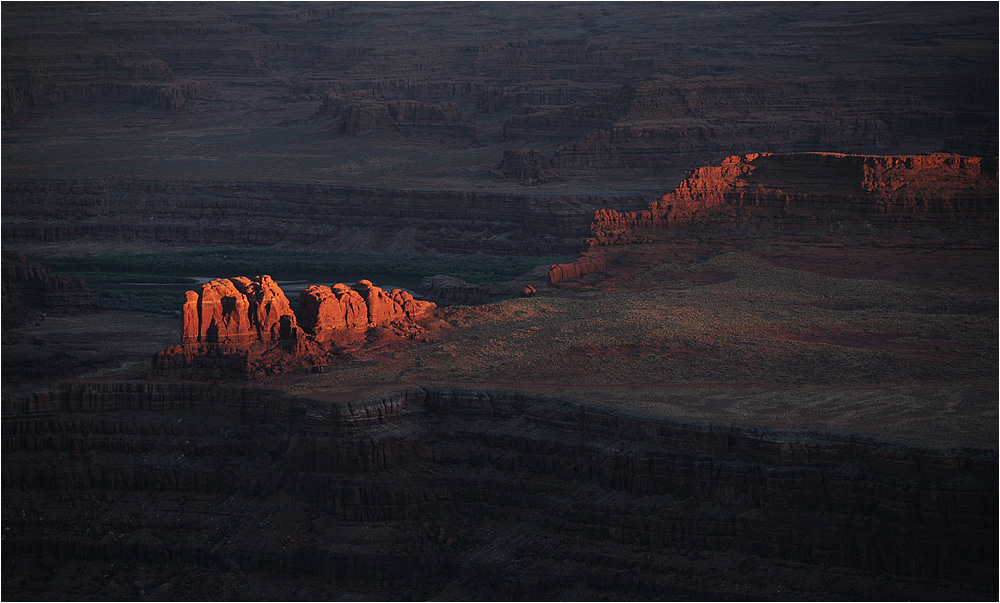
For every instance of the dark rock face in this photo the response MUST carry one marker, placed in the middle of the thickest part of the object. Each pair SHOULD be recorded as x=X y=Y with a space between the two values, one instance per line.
x=361 y=114
x=332 y=217
x=527 y=165
x=630 y=87
x=30 y=286
x=479 y=495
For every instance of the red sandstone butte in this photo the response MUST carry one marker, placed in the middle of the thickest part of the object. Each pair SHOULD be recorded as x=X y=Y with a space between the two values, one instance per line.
x=239 y=310
x=249 y=322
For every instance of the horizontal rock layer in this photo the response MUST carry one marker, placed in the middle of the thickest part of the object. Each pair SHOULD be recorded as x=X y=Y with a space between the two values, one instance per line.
x=750 y=505
x=331 y=217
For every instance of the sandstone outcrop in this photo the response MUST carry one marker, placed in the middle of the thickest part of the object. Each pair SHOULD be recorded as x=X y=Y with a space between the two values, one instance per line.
x=328 y=310
x=239 y=310
x=248 y=325
x=953 y=193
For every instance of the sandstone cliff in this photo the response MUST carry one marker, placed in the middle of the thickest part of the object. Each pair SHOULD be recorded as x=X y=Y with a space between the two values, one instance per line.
x=951 y=192
x=938 y=198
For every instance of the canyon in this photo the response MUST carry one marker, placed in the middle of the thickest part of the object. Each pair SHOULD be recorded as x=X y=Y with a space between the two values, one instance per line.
x=478 y=301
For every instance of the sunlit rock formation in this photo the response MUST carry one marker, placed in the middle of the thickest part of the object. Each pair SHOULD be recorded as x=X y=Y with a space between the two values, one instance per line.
x=326 y=310
x=248 y=324
x=950 y=191
x=940 y=197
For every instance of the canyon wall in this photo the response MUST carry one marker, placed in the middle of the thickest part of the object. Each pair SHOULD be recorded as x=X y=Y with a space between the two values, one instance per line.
x=600 y=89
x=936 y=199
x=951 y=192
x=480 y=492
x=331 y=217
x=362 y=113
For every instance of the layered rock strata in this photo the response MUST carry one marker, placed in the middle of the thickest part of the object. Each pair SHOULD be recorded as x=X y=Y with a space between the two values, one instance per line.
x=361 y=114
x=248 y=325
x=613 y=94
x=476 y=495
x=938 y=198
x=331 y=217
x=951 y=192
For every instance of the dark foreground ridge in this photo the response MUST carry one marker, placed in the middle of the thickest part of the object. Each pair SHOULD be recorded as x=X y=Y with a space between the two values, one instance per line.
x=252 y=493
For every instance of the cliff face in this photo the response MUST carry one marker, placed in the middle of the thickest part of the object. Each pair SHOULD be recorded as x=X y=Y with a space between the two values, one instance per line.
x=248 y=326
x=951 y=192
x=479 y=493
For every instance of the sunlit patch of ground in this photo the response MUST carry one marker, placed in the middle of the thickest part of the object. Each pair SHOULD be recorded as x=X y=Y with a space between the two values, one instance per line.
x=766 y=346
